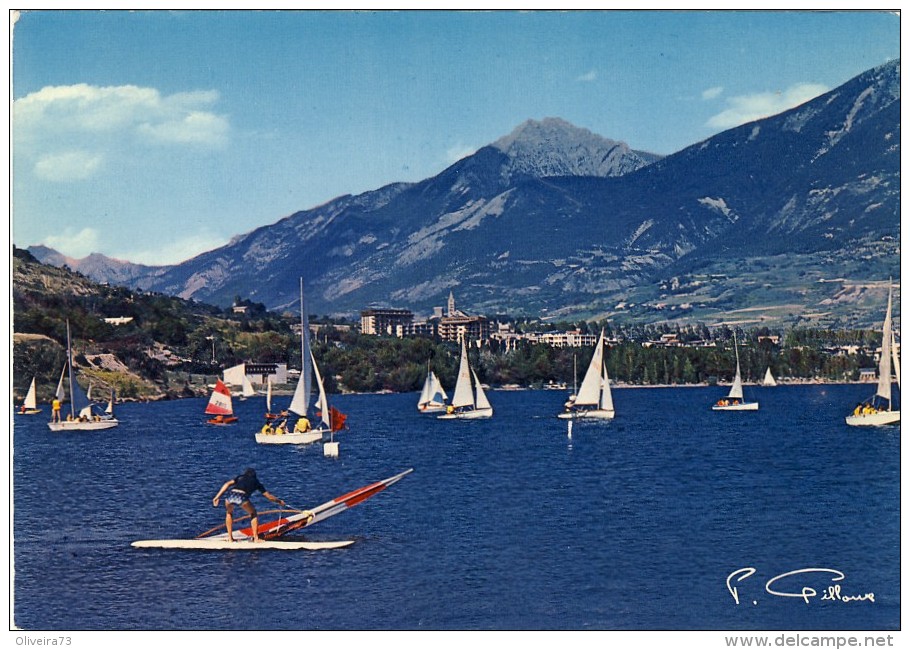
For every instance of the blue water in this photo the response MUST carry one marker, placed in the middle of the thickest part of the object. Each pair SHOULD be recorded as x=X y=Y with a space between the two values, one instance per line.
x=505 y=524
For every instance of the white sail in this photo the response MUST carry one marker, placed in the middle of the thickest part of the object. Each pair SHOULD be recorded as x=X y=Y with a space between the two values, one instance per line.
x=463 y=396
x=248 y=390
x=884 y=363
x=301 y=400
x=110 y=405
x=482 y=401
x=322 y=403
x=606 y=397
x=31 y=398
x=895 y=357
x=769 y=379
x=437 y=393
x=425 y=391
x=736 y=390
x=268 y=395
x=60 y=393
x=589 y=393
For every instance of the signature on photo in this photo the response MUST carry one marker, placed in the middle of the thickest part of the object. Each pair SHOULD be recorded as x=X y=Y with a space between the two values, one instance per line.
x=792 y=584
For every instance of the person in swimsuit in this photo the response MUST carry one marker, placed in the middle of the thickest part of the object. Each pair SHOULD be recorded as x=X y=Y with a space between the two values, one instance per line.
x=239 y=490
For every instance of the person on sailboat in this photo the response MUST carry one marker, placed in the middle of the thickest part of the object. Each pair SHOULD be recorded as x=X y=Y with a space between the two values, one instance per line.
x=241 y=489
x=302 y=426
x=55 y=410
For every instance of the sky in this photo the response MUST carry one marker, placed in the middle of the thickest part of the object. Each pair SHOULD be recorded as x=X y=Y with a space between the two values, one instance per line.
x=153 y=136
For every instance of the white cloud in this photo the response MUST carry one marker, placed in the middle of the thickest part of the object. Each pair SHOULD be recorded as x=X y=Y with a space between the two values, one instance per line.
x=175 y=252
x=712 y=93
x=197 y=127
x=56 y=120
x=459 y=151
x=747 y=108
x=74 y=244
x=591 y=75
x=67 y=166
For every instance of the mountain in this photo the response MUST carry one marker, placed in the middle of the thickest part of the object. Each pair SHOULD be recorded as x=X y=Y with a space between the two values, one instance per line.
x=101 y=268
x=751 y=224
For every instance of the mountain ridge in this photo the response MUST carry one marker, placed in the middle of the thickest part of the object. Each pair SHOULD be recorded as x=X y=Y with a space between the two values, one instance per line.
x=508 y=230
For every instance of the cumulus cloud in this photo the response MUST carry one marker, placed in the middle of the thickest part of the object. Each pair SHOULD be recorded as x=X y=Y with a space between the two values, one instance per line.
x=74 y=244
x=67 y=166
x=712 y=93
x=52 y=123
x=747 y=108
x=591 y=75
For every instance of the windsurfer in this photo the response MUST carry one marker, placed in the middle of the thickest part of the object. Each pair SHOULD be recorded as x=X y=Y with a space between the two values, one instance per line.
x=239 y=490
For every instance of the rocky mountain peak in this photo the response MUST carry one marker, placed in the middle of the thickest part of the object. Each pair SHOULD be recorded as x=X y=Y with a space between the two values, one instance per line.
x=554 y=147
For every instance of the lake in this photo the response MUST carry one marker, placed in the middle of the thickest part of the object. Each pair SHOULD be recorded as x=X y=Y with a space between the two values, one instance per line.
x=505 y=524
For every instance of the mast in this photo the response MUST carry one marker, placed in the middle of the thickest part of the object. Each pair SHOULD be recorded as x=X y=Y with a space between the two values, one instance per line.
x=69 y=366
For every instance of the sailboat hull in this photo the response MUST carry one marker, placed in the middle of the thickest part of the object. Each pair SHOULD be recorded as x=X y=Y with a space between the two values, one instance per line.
x=743 y=406
x=432 y=408
x=592 y=414
x=29 y=412
x=476 y=414
x=878 y=419
x=290 y=438
x=76 y=425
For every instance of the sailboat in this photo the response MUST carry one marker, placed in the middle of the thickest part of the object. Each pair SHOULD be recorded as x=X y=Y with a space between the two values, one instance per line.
x=769 y=379
x=30 y=405
x=81 y=419
x=330 y=419
x=734 y=400
x=269 y=416
x=433 y=396
x=467 y=404
x=220 y=405
x=877 y=410
x=594 y=399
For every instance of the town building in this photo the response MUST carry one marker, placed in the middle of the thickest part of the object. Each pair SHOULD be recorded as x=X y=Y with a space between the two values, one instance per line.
x=380 y=322
x=457 y=325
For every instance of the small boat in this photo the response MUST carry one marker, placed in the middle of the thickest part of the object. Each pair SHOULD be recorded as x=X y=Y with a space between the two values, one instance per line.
x=769 y=379
x=30 y=405
x=877 y=410
x=269 y=416
x=433 y=396
x=594 y=400
x=82 y=419
x=467 y=404
x=734 y=400
x=220 y=405
x=330 y=419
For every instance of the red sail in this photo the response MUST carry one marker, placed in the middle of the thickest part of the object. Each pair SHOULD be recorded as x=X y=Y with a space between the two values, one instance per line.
x=338 y=419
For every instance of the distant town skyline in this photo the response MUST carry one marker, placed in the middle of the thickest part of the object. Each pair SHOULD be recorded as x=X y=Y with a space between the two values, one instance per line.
x=153 y=136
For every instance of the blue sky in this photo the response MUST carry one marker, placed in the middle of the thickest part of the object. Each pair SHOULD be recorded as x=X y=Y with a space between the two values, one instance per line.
x=155 y=136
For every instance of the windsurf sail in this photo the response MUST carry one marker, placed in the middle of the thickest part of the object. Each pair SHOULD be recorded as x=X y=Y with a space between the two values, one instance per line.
x=283 y=525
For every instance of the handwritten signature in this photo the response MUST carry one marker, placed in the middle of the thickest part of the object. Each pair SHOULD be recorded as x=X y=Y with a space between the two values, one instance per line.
x=786 y=585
